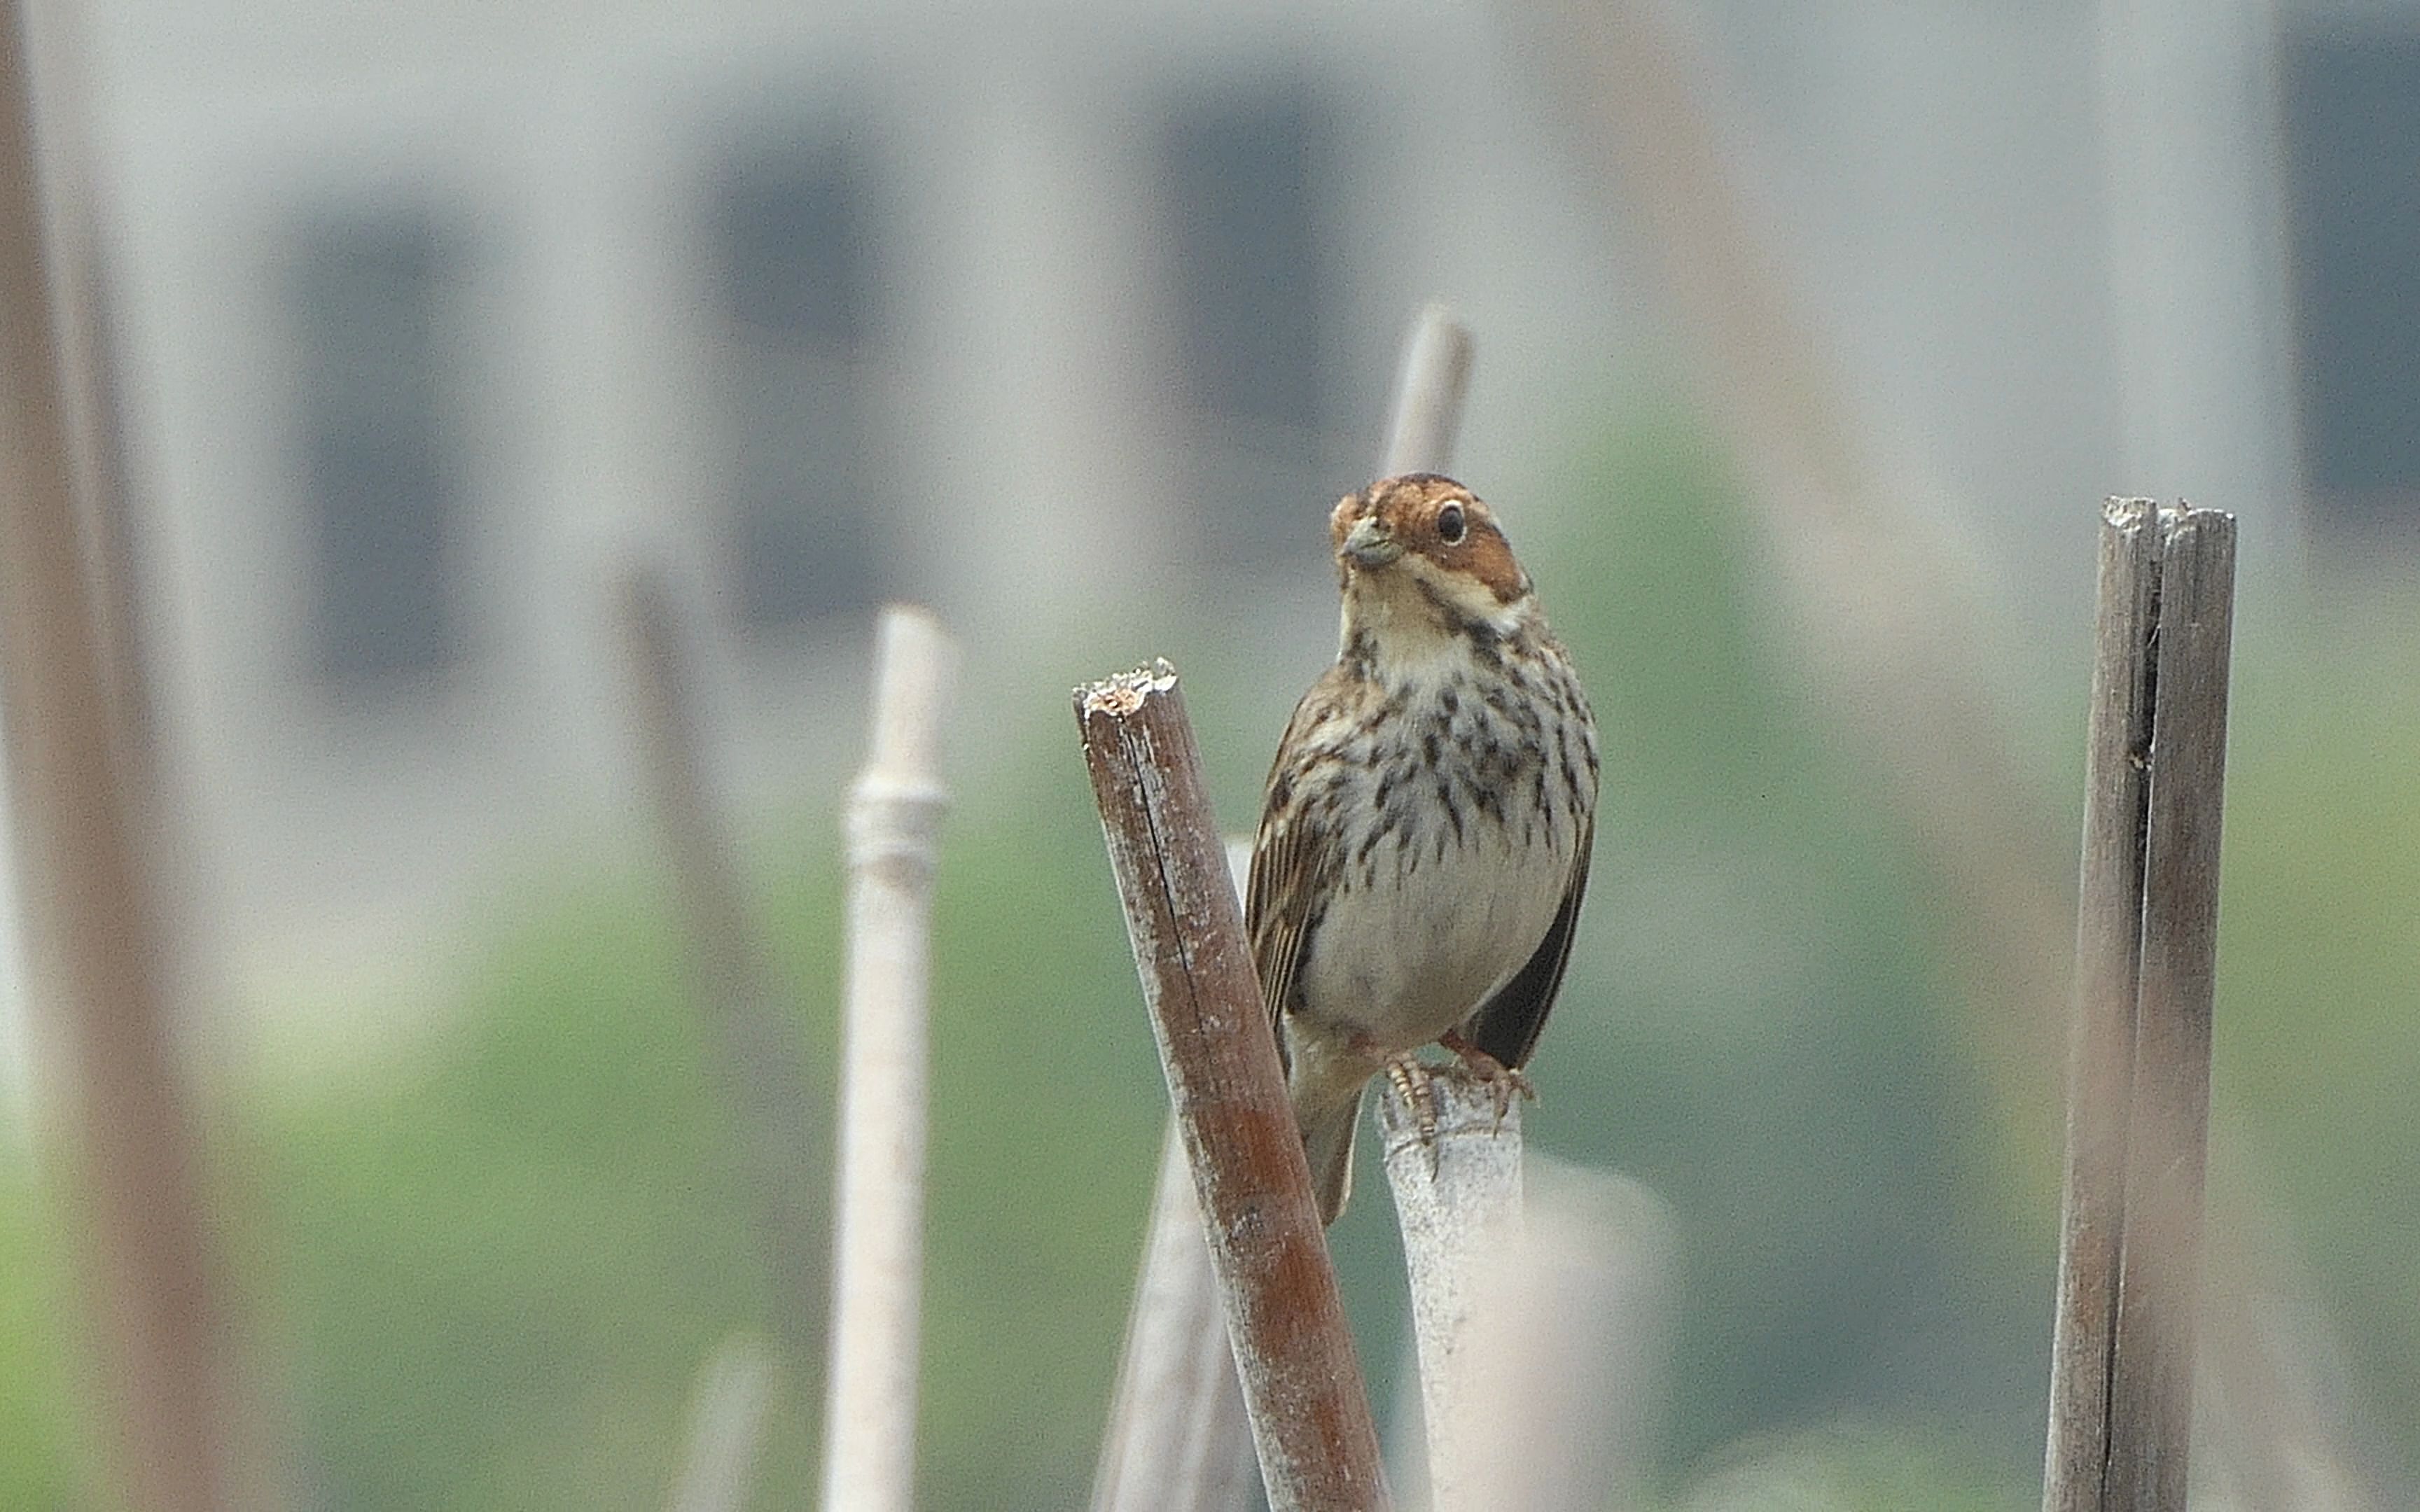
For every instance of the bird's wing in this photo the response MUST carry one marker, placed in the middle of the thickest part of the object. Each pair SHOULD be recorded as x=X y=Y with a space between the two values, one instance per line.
x=1507 y=1024
x=1290 y=856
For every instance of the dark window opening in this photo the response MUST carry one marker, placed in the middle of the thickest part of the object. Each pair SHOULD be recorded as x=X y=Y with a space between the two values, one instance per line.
x=373 y=296
x=1244 y=180
x=793 y=271
x=2353 y=143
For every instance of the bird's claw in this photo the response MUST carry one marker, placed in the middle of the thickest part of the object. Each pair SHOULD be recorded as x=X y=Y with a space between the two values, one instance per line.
x=1415 y=1081
x=1502 y=1081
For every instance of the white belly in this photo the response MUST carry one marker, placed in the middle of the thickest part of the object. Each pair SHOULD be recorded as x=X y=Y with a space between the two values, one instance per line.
x=1408 y=954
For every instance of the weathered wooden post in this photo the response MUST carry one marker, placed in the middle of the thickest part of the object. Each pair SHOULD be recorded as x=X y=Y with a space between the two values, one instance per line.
x=2146 y=929
x=1301 y=1379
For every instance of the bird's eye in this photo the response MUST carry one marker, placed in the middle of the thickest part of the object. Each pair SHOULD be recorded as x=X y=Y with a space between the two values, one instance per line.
x=1450 y=527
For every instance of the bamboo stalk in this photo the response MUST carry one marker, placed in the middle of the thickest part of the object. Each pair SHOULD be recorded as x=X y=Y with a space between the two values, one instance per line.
x=90 y=353
x=1178 y=1440
x=750 y=1033
x=1301 y=1380
x=734 y=1388
x=1457 y=1190
x=1558 y=1361
x=877 y=1272
x=96 y=921
x=1430 y=387
x=1563 y=1363
x=1176 y=1431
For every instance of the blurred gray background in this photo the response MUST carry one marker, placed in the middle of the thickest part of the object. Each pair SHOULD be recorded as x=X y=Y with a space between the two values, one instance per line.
x=1073 y=320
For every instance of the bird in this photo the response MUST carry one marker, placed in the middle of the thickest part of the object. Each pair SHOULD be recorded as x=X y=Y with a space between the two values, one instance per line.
x=1425 y=833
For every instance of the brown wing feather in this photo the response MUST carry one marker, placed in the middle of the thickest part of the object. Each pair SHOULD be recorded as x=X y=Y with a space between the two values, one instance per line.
x=1506 y=1026
x=1289 y=852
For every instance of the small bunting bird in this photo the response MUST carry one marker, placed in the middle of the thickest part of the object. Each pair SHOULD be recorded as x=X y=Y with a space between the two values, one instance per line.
x=1424 y=842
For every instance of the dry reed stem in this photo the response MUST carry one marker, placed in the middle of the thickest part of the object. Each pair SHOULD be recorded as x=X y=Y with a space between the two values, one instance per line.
x=2108 y=971
x=2122 y=1358
x=2151 y=1382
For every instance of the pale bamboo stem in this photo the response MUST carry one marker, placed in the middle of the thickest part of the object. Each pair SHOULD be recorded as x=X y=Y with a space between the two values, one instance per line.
x=1177 y=1438
x=734 y=1388
x=877 y=1271
x=1457 y=1193
x=1560 y=1369
x=1176 y=1431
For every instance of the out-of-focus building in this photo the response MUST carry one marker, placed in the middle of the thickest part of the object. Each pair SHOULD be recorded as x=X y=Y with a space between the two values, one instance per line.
x=437 y=315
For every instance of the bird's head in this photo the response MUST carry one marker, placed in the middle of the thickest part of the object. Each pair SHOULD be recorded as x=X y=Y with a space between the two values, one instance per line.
x=1422 y=550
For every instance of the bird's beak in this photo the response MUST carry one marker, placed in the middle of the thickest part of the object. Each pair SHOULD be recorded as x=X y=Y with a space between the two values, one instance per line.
x=1368 y=545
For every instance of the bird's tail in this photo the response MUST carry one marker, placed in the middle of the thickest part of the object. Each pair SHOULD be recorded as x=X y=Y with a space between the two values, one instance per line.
x=1327 y=1139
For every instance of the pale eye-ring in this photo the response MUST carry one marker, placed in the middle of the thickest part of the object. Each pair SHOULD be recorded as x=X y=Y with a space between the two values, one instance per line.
x=1450 y=527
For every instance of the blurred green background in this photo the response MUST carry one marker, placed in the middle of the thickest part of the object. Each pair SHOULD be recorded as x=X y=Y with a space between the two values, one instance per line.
x=488 y=1280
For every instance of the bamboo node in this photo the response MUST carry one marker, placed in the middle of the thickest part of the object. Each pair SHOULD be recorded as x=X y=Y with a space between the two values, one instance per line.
x=894 y=823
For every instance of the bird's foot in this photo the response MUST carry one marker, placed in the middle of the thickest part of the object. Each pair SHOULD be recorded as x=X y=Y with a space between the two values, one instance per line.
x=1503 y=1081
